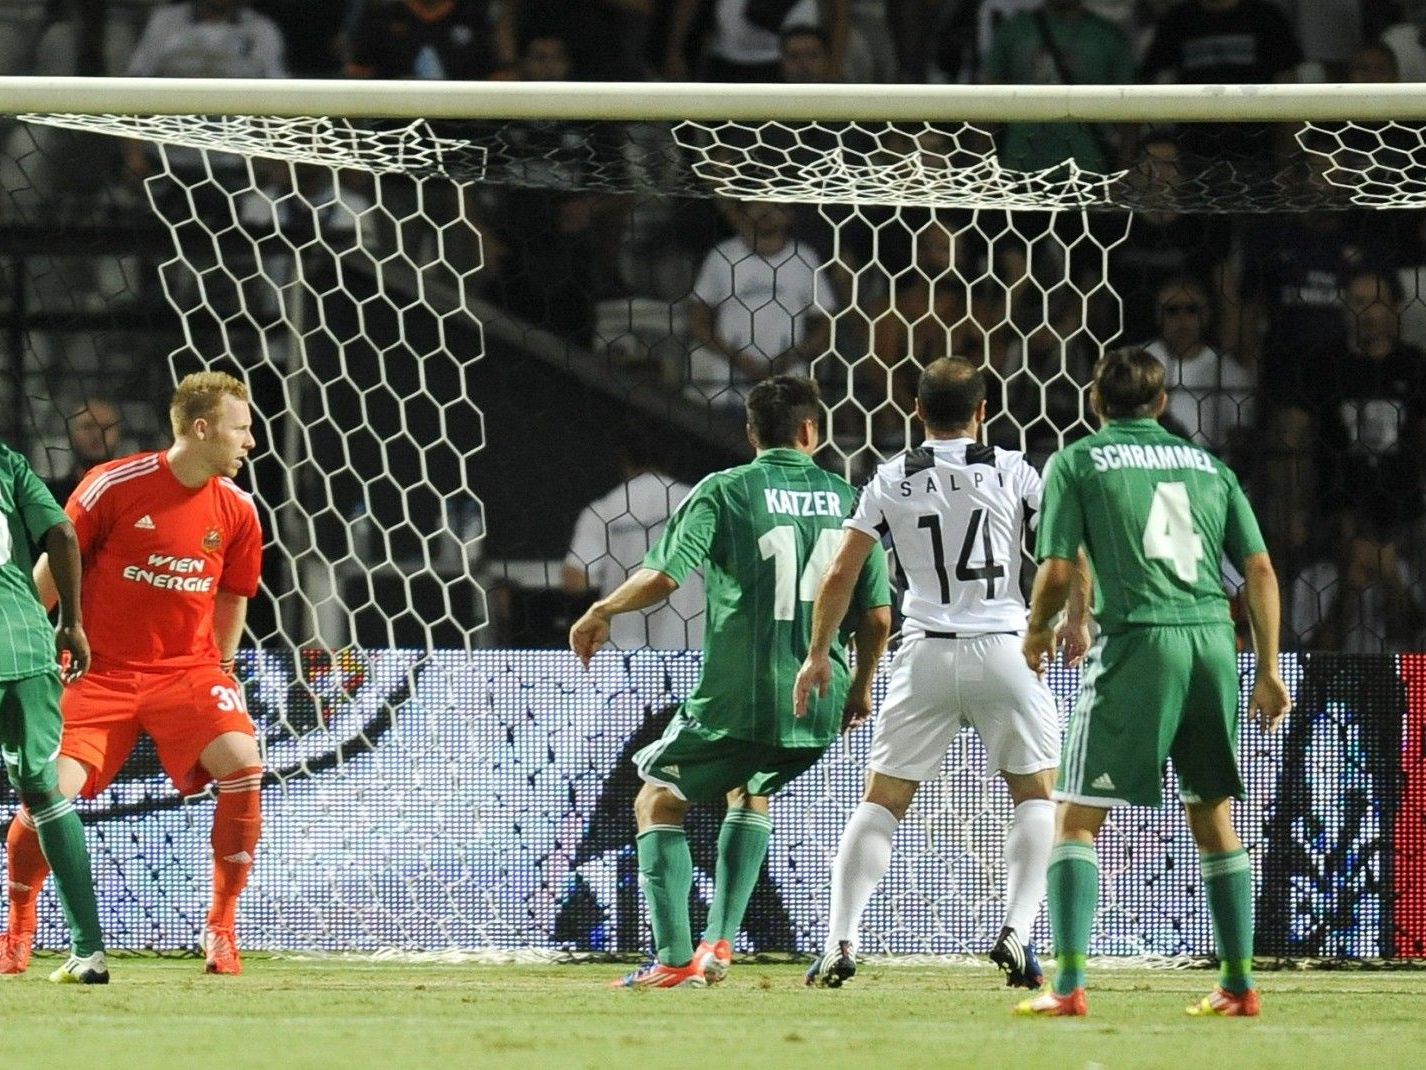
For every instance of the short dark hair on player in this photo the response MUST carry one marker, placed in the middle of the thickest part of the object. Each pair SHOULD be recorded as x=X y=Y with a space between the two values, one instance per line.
x=950 y=390
x=777 y=407
x=1129 y=382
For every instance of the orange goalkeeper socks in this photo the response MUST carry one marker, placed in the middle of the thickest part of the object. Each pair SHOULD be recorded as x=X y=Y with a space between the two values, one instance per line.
x=27 y=872
x=237 y=825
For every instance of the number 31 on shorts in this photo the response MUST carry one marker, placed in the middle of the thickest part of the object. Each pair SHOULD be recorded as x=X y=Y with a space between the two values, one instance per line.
x=229 y=698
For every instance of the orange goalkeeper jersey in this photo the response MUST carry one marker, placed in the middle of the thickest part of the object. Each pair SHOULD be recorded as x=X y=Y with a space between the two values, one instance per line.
x=156 y=554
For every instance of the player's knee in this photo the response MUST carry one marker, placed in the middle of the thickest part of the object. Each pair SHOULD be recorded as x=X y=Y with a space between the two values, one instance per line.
x=1026 y=786
x=740 y=799
x=656 y=805
x=891 y=793
x=1212 y=826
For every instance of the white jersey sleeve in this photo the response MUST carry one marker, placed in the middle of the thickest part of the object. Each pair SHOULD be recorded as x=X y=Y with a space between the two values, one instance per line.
x=868 y=516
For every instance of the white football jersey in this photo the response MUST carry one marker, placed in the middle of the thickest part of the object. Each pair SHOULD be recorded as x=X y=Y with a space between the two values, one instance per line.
x=955 y=511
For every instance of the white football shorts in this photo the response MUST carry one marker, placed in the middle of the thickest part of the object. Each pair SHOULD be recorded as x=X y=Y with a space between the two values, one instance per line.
x=939 y=686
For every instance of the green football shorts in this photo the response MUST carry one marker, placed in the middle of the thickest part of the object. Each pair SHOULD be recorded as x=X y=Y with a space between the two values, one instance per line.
x=700 y=767
x=1146 y=695
x=30 y=728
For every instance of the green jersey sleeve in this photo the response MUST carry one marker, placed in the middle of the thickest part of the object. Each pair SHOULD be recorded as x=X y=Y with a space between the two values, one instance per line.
x=688 y=536
x=1242 y=538
x=1061 y=529
x=35 y=503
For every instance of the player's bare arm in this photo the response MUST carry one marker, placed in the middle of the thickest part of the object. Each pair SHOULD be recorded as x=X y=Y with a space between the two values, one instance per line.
x=71 y=644
x=834 y=597
x=1053 y=584
x=643 y=589
x=1270 y=702
x=1073 y=632
x=869 y=641
x=230 y=614
x=44 y=582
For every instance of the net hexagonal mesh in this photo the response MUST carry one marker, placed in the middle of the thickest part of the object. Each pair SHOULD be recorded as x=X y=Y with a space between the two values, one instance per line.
x=424 y=794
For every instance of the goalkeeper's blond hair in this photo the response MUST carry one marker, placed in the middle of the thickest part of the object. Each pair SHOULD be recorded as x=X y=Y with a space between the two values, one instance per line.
x=198 y=397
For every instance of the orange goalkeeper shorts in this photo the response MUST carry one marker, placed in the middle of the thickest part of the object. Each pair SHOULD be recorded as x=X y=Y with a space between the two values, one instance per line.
x=182 y=711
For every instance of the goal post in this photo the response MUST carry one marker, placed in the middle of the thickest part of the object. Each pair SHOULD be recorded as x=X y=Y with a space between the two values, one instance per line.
x=445 y=296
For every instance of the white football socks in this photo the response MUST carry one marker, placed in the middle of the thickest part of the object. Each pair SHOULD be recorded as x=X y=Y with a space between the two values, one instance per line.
x=1027 y=860
x=863 y=856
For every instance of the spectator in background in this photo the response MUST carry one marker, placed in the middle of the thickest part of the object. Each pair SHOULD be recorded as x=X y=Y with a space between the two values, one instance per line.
x=608 y=37
x=806 y=56
x=613 y=534
x=94 y=434
x=443 y=40
x=1058 y=43
x=926 y=315
x=757 y=309
x=562 y=236
x=315 y=32
x=209 y=39
x=1405 y=39
x=1356 y=425
x=1228 y=41
x=1329 y=32
x=1163 y=243
x=1210 y=395
x=1359 y=599
x=744 y=46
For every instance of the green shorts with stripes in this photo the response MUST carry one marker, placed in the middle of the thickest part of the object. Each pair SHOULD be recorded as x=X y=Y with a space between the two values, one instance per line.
x=1146 y=695
x=698 y=766
x=30 y=728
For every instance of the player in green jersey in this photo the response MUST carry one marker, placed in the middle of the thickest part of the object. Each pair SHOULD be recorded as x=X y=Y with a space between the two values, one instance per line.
x=1155 y=515
x=30 y=680
x=764 y=533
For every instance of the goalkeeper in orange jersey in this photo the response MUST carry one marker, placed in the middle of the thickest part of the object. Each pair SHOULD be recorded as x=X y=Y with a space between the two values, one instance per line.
x=172 y=551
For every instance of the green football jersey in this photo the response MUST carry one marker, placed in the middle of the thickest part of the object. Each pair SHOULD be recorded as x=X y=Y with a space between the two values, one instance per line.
x=26 y=638
x=765 y=534
x=1156 y=515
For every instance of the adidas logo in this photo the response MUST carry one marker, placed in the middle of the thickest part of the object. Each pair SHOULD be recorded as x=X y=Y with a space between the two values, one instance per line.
x=145 y=522
x=672 y=771
x=1103 y=782
x=241 y=857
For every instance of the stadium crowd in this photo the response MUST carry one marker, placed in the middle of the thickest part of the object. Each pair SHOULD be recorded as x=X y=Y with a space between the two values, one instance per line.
x=1293 y=341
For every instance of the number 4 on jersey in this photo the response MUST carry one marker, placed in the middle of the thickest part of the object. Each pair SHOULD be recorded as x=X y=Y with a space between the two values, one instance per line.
x=1170 y=535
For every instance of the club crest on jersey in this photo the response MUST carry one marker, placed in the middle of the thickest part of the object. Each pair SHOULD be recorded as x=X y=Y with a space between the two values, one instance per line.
x=212 y=541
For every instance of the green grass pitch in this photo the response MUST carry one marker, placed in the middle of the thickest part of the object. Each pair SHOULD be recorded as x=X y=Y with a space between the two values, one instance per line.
x=283 y=1015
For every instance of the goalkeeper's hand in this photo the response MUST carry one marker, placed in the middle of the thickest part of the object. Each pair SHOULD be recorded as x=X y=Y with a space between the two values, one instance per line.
x=588 y=634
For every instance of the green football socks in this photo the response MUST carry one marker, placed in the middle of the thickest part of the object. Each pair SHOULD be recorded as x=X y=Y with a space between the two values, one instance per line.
x=1228 y=883
x=61 y=836
x=666 y=876
x=1073 y=898
x=742 y=848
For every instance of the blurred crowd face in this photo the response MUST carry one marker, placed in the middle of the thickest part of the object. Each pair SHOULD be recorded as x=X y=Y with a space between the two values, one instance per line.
x=805 y=59
x=767 y=223
x=1374 y=63
x=546 y=60
x=1373 y=314
x=1182 y=310
x=94 y=433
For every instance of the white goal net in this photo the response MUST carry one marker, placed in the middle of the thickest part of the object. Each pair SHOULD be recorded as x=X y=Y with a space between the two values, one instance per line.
x=442 y=324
